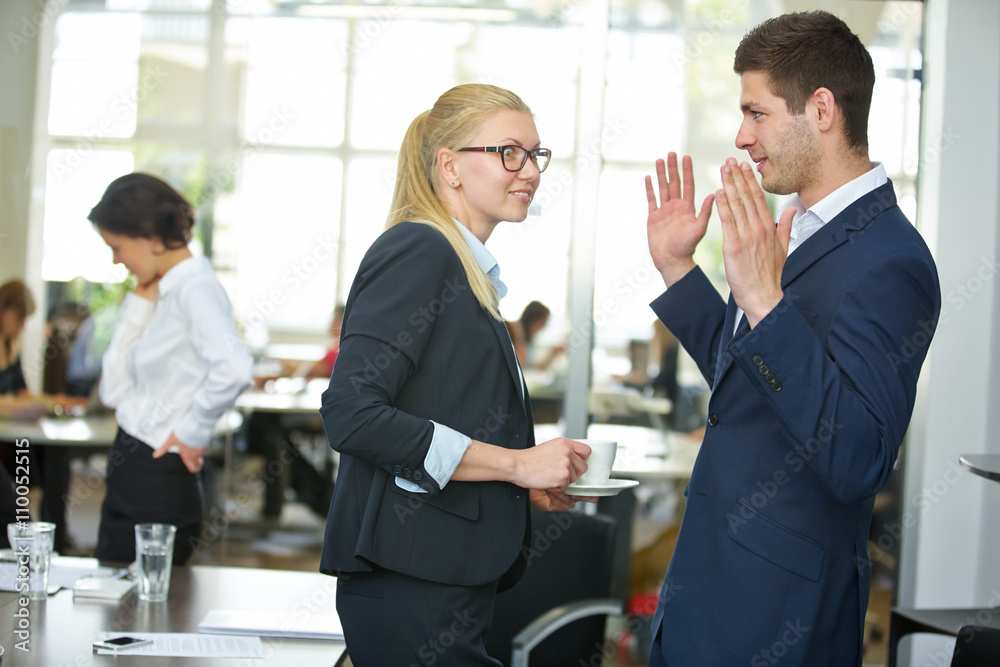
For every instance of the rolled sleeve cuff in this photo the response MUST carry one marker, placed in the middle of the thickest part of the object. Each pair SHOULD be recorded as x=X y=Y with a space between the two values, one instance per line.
x=443 y=456
x=194 y=434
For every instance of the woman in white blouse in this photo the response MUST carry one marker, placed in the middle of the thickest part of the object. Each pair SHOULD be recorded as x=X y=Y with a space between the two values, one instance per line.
x=175 y=365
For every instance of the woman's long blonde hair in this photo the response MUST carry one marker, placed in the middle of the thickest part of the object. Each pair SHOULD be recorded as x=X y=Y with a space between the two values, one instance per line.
x=452 y=121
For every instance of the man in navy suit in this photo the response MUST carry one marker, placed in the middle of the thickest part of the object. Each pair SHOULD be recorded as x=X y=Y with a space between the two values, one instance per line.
x=813 y=363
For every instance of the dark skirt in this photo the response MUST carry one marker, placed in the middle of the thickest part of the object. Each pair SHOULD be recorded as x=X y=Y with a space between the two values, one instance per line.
x=141 y=489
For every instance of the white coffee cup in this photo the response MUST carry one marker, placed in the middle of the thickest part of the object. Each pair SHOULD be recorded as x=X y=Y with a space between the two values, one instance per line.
x=599 y=463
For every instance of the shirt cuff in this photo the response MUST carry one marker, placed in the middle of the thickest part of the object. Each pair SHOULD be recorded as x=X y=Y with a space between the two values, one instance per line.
x=443 y=456
x=194 y=434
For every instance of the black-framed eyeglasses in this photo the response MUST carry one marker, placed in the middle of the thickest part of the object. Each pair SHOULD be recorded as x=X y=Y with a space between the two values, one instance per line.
x=515 y=157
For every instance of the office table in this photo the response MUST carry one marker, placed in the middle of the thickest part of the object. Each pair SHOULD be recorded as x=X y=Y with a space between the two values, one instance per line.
x=87 y=431
x=646 y=454
x=62 y=630
x=296 y=396
x=71 y=436
x=90 y=431
x=984 y=465
x=946 y=621
x=649 y=454
x=273 y=413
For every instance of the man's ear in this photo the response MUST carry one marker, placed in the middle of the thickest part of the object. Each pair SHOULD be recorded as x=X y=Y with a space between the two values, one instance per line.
x=825 y=111
x=448 y=167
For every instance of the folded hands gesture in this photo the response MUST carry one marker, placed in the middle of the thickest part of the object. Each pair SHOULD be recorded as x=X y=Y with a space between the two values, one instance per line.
x=753 y=248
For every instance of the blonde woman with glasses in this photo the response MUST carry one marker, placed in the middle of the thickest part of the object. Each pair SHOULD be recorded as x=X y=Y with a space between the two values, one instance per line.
x=427 y=405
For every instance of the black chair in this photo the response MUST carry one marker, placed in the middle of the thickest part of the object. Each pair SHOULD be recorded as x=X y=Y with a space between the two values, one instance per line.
x=557 y=611
x=976 y=646
x=903 y=622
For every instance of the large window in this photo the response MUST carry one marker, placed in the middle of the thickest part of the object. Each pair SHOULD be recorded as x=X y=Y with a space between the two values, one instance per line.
x=280 y=121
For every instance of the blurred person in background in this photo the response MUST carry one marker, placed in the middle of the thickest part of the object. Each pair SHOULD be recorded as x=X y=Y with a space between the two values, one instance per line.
x=174 y=366
x=48 y=466
x=534 y=318
x=16 y=303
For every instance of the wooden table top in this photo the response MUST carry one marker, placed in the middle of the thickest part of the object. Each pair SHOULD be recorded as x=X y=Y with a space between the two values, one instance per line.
x=96 y=430
x=61 y=630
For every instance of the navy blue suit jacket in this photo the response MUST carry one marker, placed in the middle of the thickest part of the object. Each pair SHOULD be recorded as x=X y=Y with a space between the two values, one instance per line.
x=807 y=413
x=416 y=346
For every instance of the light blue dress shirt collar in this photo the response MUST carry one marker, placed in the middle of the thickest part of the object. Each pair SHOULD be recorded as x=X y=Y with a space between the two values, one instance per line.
x=489 y=264
x=484 y=258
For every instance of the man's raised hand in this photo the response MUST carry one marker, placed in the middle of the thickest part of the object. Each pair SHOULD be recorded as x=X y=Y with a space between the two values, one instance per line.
x=672 y=228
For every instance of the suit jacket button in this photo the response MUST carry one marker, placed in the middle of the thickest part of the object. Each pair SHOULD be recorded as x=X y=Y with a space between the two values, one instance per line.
x=417 y=475
x=769 y=378
x=776 y=386
x=757 y=360
x=397 y=470
x=763 y=369
x=407 y=472
x=713 y=419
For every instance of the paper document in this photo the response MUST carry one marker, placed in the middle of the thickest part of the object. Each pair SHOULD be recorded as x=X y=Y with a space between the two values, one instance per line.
x=273 y=624
x=188 y=645
x=101 y=588
x=63 y=572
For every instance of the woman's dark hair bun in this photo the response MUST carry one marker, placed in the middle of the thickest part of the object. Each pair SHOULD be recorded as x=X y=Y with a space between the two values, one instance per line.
x=140 y=205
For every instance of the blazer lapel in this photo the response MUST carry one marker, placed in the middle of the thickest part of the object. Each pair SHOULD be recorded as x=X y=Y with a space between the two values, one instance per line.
x=725 y=360
x=828 y=237
x=852 y=220
x=503 y=336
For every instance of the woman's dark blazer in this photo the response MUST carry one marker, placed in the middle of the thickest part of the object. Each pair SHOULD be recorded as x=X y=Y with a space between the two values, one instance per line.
x=416 y=346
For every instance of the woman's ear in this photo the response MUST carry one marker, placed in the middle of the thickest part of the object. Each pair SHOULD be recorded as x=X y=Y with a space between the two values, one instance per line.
x=448 y=167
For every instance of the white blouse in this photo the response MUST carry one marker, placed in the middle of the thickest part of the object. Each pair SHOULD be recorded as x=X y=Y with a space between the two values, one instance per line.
x=177 y=364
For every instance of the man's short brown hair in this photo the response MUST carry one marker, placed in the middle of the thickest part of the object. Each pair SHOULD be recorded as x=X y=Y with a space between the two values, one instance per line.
x=808 y=50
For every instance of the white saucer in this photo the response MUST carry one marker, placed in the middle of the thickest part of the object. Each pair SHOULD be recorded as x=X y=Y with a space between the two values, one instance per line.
x=612 y=488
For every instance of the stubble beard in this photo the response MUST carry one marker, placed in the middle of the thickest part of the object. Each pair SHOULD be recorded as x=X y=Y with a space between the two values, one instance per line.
x=794 y=163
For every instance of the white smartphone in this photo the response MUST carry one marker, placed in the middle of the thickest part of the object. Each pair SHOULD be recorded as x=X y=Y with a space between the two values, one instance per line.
x=119 y=643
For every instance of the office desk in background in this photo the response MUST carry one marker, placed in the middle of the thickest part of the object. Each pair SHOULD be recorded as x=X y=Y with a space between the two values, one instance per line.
x=62 y=438
x=90 y=431
x=904 y=621
x=290 y=396
x=661 y=461
x=87 y=431
x=645 y=454
x=62 y=630
x=984 y=465
x=283 y=425
x=605 y=402
x=74 y=436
